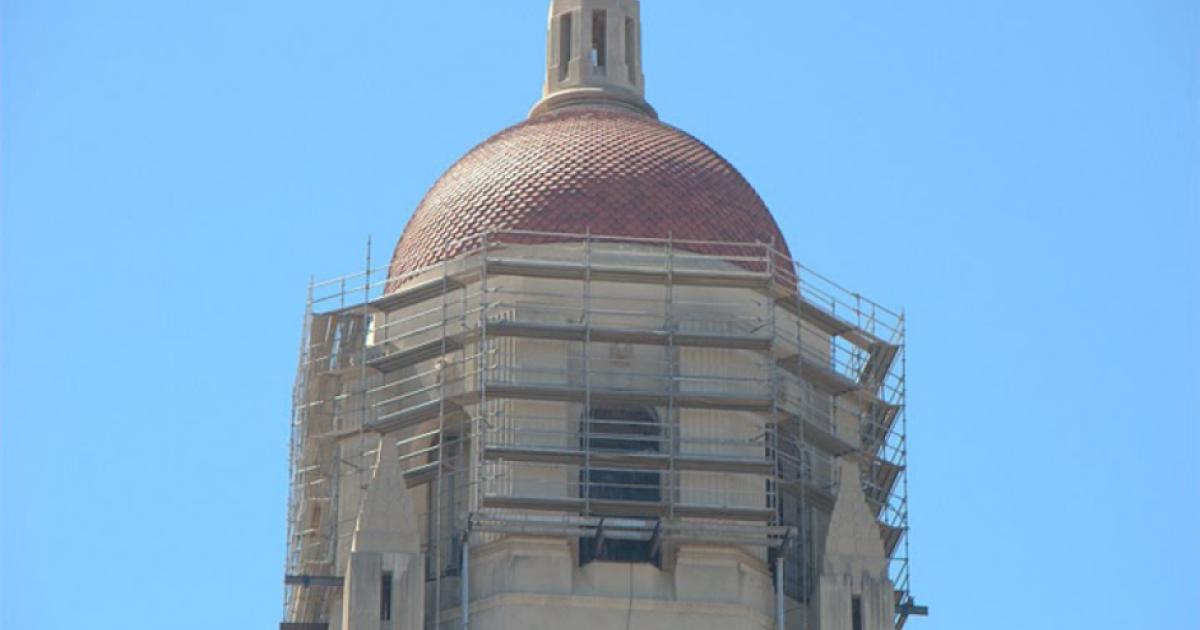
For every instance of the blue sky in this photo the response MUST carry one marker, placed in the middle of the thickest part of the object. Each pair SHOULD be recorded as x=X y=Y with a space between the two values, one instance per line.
x=1023 y=176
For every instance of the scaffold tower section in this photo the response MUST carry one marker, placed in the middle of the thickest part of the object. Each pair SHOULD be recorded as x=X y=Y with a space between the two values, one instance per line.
x=598 y=389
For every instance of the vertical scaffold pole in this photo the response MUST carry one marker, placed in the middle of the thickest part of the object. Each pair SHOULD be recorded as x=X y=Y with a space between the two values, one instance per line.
x=483 y=427
x=479 y=430
x=772 y=431
x=464 y=581
x=585 y=482
x=672 y=422
x=775 y=433
x=438 y=538
x=807 y=467
x=903 y=398
x=294 y=558
x=780 y=612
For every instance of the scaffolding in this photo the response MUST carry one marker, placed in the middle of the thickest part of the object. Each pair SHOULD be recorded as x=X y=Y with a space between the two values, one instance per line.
x=468 y=368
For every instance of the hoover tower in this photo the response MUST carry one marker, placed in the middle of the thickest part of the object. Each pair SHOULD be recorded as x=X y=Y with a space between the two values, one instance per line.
x=593 y=389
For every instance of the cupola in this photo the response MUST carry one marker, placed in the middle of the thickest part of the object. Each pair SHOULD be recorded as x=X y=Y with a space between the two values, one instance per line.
x=594 y=57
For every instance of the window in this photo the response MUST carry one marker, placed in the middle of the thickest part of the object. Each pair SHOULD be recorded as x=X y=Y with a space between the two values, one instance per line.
x=385 y=597
x=620 y=431
x=599 y=52
x=444 y=505
x=856 y=617
x=795 y=460
x=631 y=49
x=564 y=46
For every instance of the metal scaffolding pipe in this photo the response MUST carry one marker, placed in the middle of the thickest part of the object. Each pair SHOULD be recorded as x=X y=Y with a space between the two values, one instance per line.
x=780 y=623
x=465 y=583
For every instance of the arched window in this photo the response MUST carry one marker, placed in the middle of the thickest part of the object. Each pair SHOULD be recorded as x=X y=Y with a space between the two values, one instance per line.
x=599 y=50
x=564 y=46
x=616 y=430
x=631 y=49
x=444 y=498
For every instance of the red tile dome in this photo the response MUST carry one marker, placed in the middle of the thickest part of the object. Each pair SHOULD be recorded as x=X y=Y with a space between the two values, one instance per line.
x=579 y=170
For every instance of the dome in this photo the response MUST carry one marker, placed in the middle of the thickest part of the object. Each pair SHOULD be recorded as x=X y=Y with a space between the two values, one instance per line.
x=579 y=170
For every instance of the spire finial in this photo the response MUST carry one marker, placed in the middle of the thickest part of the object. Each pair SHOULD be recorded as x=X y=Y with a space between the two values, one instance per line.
x=594 y=56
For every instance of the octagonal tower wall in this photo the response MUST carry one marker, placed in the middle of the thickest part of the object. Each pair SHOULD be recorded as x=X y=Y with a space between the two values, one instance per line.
x=481 y=372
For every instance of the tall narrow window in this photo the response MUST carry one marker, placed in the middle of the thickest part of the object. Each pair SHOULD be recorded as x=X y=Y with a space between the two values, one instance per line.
x=599 y=40
x=564 y=46
x=444 y=498
x=856 y=616
x=631 y=49
x=620 y=431
x=385 y=597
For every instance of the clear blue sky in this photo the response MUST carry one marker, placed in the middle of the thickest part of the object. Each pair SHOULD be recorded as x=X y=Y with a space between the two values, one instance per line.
x=1022 y=175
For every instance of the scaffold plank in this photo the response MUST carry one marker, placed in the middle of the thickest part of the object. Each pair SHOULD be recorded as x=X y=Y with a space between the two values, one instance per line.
x=878 y=365
x=562 y=270
x=330 y=581
x=824 y=320
x=578 y=332
x=552 y=504
x=885 y=474
x=420 y=475
x=627 y=508
x=821 y=376
x=415 y=293
x=647 y=461
x=891 y=538
x=816 y=496
x=724 y=512
x=632 y=529
x=881 y=419
x=569 y=393
x=824 y=439
x=412 y=416
x=387 y=362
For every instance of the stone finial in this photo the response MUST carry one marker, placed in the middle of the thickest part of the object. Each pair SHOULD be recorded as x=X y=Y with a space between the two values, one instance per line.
x=853 y=530
x=594 y=56
x=853 y=583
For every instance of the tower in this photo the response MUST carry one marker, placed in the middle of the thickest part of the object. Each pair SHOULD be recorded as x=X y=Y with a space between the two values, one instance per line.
x=592 y=388
x=594 y=56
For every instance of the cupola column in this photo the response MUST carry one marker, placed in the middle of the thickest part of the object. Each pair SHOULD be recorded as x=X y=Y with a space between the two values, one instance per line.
x=594 y=56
